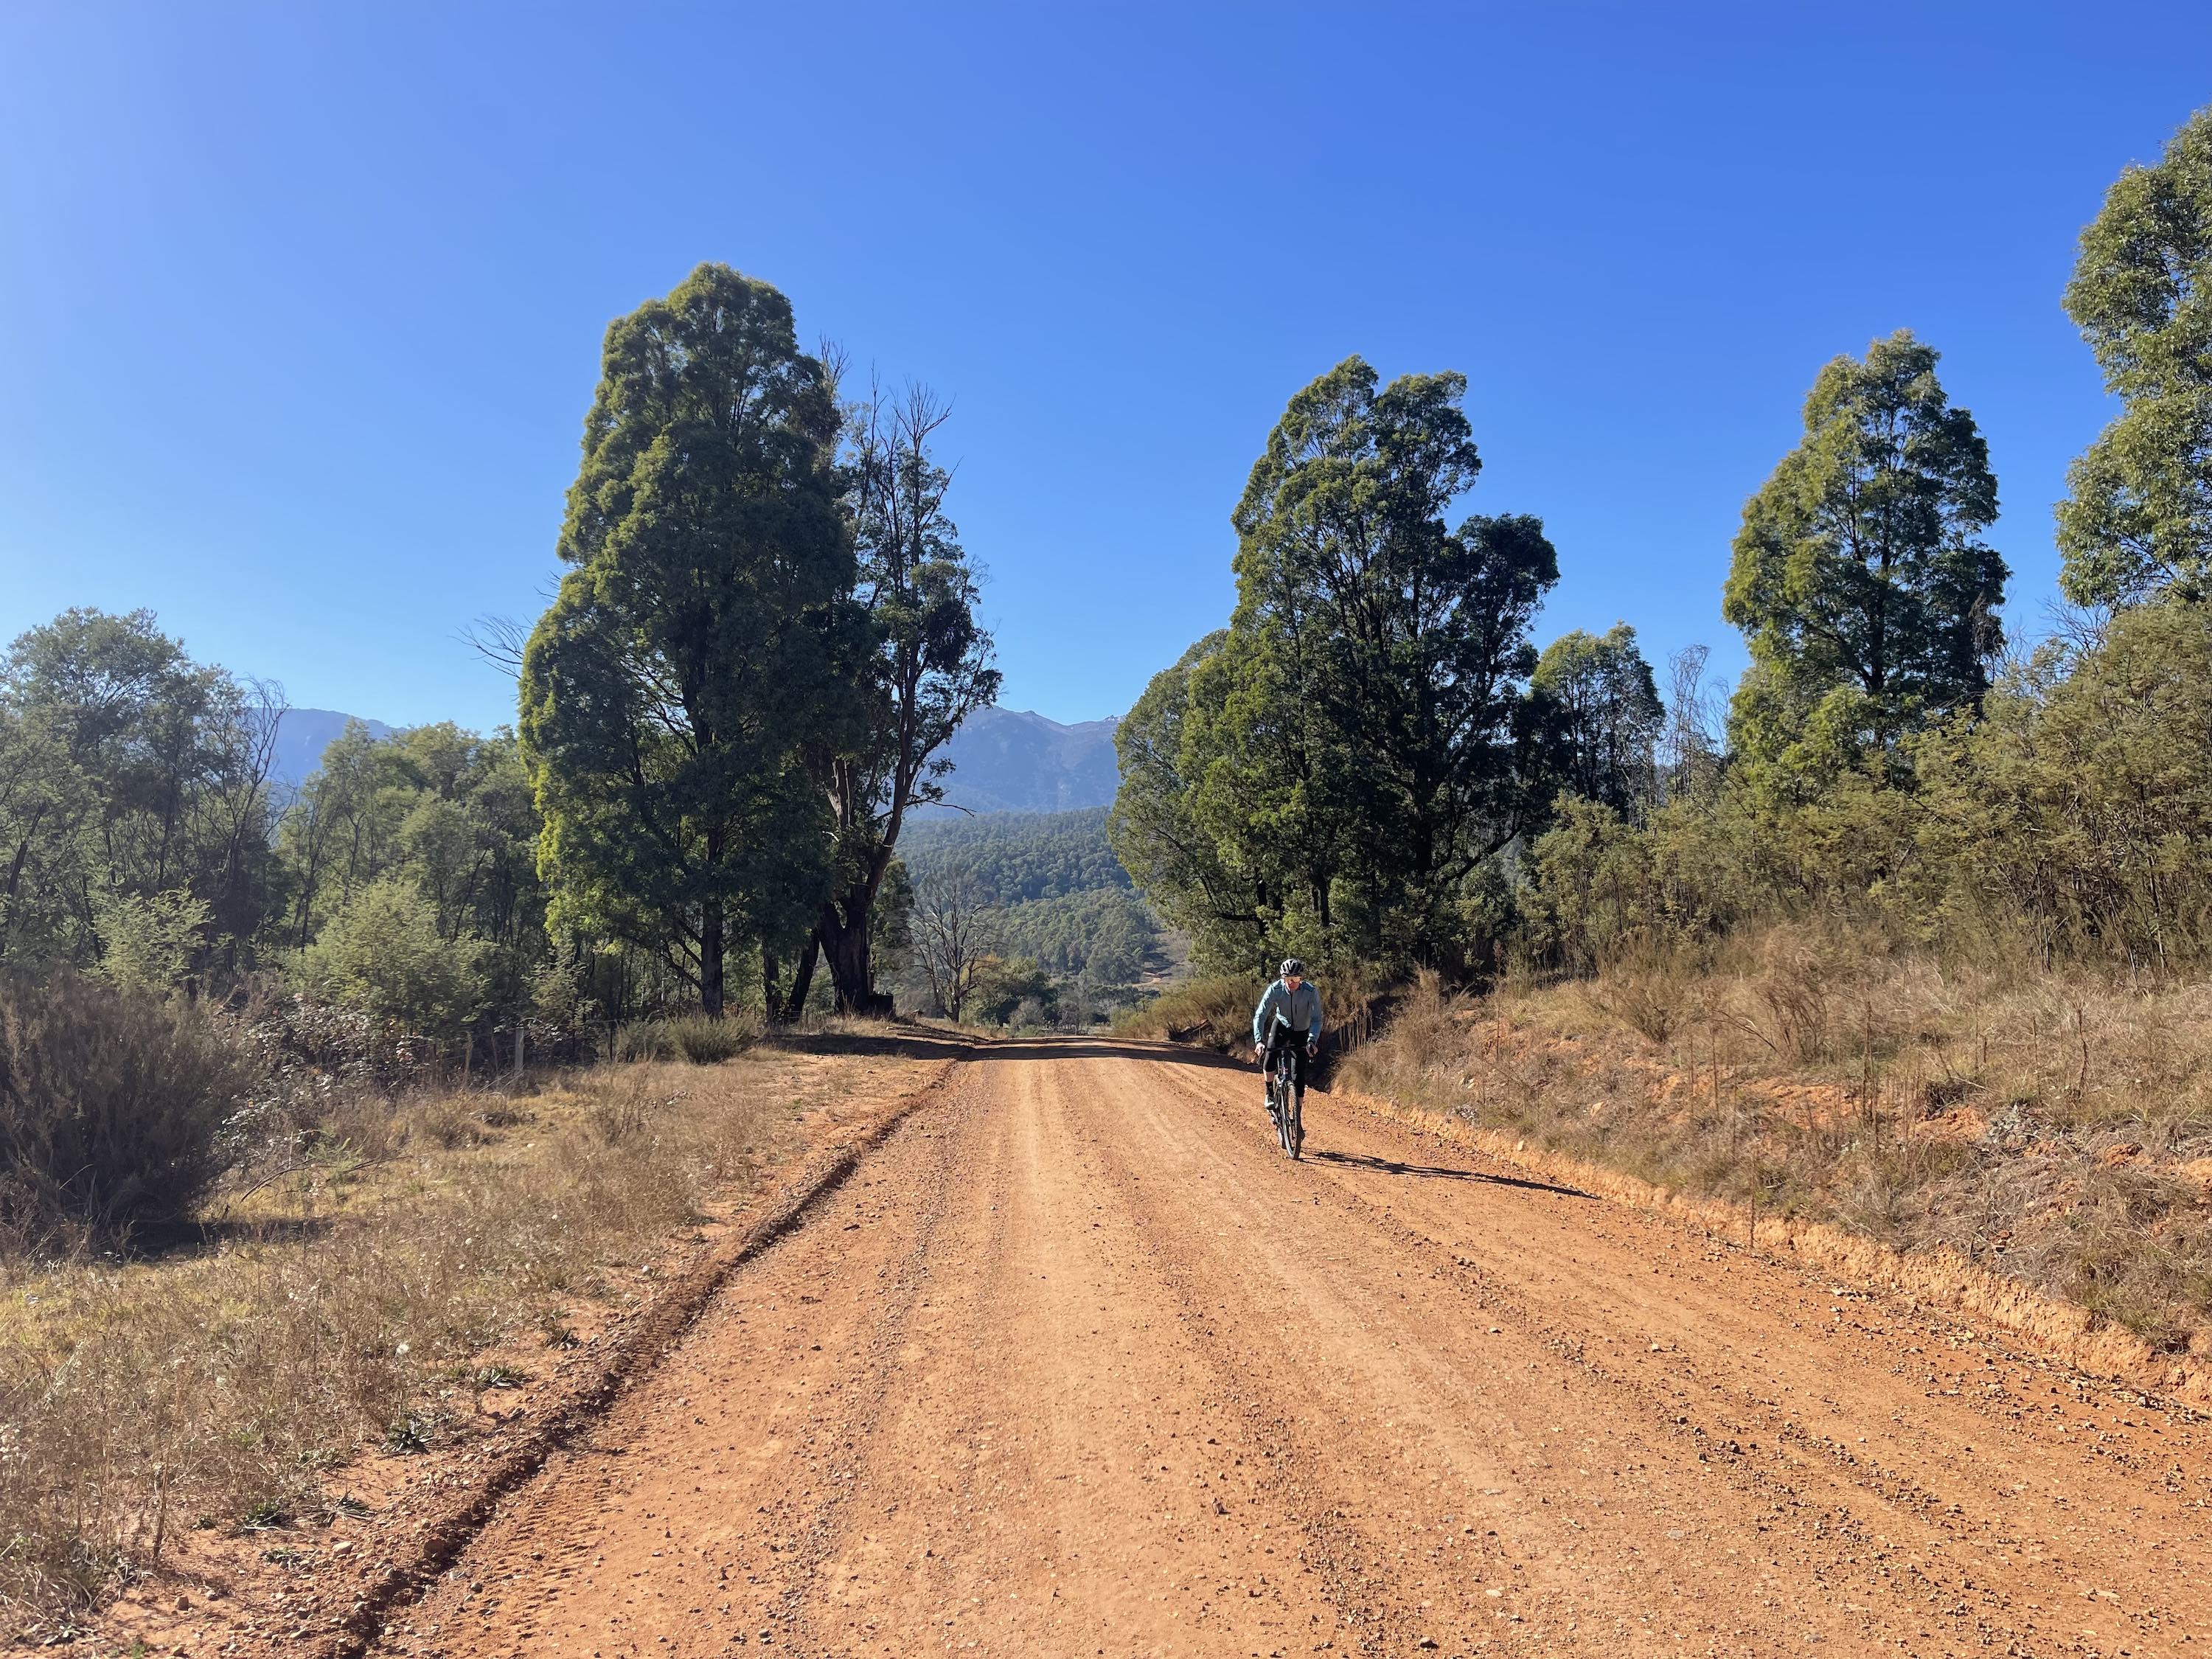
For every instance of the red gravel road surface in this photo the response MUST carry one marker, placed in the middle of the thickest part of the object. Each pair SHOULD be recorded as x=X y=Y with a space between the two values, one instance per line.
x=1077 y=1364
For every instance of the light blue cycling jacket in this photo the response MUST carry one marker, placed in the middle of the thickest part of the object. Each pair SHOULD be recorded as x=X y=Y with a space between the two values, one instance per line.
x=1300 y=1009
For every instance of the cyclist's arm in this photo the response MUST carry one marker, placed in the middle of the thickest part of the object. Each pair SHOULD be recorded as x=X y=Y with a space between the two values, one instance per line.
x=1260 y=1016
x=1313 y=1036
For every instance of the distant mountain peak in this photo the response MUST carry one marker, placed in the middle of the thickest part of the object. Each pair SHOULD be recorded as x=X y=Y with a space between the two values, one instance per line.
x=302 y=734
x=1013 y=760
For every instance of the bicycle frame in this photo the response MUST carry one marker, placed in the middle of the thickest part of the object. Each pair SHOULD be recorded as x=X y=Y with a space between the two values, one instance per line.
x=1283 y=1105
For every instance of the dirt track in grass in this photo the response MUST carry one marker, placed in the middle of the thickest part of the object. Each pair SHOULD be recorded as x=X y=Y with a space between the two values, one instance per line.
x=1076 y=1363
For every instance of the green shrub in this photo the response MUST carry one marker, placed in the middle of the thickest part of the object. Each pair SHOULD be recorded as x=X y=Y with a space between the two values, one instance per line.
x=1003 y=987
x=111 y=1107
x=705 y=1041
x=383 y=954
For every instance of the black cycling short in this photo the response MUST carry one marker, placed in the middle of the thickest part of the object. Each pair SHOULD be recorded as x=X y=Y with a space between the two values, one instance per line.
x=1297 y=1043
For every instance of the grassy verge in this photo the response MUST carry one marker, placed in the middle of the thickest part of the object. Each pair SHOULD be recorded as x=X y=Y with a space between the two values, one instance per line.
x=1215 y=1010
x=359 y=1303
x=2057 y=1129
x=1217 y=1013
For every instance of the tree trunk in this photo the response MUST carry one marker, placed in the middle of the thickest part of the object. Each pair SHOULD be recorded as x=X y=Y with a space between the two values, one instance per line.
x=710 y=958
x=846 y=946
x=802 y=981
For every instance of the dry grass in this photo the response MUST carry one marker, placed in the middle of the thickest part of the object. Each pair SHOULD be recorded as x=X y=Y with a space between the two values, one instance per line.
x=1215 y=1010
x=2057 y=1128
x=694 y=1037
x=211 y=1385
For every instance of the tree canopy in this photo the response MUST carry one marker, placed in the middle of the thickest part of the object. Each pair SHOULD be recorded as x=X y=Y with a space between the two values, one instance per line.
x=1328 y=777
x=2137 y=519
x=1600 y=707
x=923 y=664
x=690 y=660
x=1865 y=593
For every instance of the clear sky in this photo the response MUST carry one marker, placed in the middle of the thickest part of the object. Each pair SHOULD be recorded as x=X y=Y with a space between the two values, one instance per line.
x=300 y=304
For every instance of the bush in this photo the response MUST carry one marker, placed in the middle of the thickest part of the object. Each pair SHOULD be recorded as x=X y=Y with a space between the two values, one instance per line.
x=1218 y=1011
x=644 y=1039
x=1003 y=987
x=112 y=1105
x=705 y=1041
x=384 y=955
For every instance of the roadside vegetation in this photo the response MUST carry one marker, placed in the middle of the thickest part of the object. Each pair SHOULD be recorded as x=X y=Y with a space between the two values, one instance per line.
x=1909 y=931
x=382 y=1286
x=313 y=1095
x=2056 y=1127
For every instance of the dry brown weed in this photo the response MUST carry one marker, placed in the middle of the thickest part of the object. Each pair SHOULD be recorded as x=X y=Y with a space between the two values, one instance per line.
x=211 y=1385
x=2047 y=1126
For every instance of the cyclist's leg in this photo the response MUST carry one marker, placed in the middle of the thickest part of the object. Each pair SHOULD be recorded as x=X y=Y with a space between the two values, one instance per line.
x=1298 y=1067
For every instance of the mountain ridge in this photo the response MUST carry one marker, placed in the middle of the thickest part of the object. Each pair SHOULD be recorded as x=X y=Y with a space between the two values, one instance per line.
x=1004 y=760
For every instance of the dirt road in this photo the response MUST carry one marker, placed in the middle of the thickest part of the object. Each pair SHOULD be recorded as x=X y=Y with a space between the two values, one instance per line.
x=1077 y=1364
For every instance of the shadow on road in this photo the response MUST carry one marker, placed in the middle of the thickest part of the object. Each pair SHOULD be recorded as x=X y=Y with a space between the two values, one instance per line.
x=921 y=1043
x=1096 y=1048
x=1438 y=1172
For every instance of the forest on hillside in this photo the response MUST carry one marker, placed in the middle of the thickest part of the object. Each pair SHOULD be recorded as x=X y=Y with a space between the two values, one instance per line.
x=1057 y=922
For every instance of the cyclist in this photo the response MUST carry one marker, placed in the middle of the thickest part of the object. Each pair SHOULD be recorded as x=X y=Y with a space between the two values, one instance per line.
x=1287 y=1008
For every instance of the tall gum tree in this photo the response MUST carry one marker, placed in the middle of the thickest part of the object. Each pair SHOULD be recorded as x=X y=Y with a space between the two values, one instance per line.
x=1155 y=831
x=692 y=652
x=1358 y=745
x=1600 y=707
x=1860 y=579
x=923 y=665
x=2137 y=522
x=1403 y=644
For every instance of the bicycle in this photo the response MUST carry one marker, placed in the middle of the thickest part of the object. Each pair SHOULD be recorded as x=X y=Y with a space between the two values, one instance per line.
x=1283 y=1105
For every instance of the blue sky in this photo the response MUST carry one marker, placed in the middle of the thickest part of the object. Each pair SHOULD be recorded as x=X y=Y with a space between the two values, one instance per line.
x=300 y=304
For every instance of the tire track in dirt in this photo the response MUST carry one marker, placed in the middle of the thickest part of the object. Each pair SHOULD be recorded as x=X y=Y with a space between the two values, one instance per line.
x=1415 y=1367
x=1065 y=1502
x=1952 y=1529
x=1077 y=1364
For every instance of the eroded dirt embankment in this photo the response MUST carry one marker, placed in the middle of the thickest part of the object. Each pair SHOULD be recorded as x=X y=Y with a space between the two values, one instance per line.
x=1075 y=1362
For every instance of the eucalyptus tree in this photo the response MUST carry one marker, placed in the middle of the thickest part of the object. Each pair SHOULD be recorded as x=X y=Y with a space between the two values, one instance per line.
x=691 y=658
x=922 y=665
x=1196 y=883
x=2137 y=521
x=1601 y=706
x=1860 y=577
x=1359 y=743
x=135 y=799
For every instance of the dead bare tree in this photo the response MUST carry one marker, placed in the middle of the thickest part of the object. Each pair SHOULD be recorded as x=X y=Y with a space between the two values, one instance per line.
x=953 y=935
x=500 y=641
x=1690 y=750
x=927 y=668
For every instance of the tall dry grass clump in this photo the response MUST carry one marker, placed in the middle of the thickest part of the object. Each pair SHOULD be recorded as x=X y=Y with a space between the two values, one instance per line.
x=1216 y=1011
x=695 y=1037
x=2057 y=1126
x=212 y=1387
x=112 y=1108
